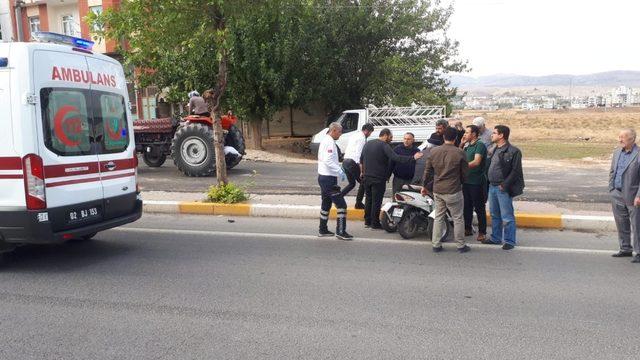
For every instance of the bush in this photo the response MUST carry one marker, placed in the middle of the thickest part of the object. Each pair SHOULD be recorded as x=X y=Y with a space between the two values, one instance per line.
x=227 y=194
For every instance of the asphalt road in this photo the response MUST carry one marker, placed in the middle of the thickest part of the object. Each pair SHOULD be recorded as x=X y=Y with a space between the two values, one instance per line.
x=544 y=184
x=177 y=287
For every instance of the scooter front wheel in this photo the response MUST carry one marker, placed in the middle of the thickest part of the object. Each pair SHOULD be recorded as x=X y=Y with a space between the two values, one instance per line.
x=388 y=224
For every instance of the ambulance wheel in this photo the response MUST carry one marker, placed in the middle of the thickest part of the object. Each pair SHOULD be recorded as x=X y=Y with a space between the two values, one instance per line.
x=154 y=160
x=192 y=150
x=235 y=139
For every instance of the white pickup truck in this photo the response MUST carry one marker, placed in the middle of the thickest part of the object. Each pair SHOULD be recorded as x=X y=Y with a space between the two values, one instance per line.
x=421 y=121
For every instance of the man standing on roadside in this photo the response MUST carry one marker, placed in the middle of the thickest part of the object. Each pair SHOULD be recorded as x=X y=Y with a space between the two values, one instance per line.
x=484 y=134
x=624 y=184
x=447 y=165
x=329 y=171
x=374 y=165
x=403 y=173
x=441 y=125
x=474 y=188
x=506 y=181
x=351 y=163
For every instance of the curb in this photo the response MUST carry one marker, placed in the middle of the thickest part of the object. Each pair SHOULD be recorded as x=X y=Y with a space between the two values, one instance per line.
x=524 y=220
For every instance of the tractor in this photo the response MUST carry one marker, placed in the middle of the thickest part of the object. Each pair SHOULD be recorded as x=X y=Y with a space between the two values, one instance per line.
x=189 y=141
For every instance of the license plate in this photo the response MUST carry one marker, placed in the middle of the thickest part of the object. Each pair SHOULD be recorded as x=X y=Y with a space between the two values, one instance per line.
x=397 y=212
x=83 y=215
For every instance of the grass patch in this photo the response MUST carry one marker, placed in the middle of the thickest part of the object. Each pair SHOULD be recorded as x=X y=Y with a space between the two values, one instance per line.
x=555 y=150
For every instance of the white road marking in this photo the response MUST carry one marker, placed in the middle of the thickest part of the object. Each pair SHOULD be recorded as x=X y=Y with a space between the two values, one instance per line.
x=357 y=239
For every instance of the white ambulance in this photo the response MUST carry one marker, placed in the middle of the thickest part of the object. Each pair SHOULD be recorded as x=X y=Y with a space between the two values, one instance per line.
x=67 y=154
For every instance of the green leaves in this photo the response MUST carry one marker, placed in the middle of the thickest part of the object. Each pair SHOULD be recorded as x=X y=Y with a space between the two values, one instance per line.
x=342 y=53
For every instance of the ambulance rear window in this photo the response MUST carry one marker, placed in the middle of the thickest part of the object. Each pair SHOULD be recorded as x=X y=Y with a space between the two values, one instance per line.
x=111 y=120
x=66 y=122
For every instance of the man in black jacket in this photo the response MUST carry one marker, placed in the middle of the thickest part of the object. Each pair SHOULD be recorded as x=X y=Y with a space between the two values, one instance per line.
x=506 y=181
x=374 y=165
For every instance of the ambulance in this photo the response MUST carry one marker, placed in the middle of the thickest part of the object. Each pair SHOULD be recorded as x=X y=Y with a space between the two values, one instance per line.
x=67 y=152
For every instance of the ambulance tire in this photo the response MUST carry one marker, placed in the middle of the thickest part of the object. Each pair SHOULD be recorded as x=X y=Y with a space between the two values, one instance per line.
x=192 y=150
x=154 y=160
x=235 y=139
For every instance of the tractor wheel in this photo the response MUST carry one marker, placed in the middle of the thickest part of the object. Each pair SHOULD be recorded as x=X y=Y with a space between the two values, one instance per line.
x=235 y=139
x=154 y=159
x=192 y=150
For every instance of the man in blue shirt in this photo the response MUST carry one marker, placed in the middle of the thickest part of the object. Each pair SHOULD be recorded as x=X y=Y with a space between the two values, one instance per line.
x=624 y=187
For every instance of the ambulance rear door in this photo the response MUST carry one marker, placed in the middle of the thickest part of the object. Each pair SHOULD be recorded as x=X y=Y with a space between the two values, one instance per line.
x=116 y=148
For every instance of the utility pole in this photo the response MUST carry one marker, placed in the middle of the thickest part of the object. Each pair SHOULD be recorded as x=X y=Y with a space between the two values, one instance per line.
x=18 y=15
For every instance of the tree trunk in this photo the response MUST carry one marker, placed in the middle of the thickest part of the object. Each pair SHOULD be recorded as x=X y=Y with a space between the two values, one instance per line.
x=213 y=102
x=255 y=142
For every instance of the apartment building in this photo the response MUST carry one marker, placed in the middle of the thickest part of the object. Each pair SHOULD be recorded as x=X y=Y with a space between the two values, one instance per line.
x=23 y=17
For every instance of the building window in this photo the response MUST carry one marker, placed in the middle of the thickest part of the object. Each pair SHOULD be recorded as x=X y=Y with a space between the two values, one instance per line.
x=34 y=24
x=68 y=25
x=98 y=25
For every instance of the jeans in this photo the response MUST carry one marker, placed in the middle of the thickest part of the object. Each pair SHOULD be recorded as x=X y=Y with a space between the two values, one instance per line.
x=503 y=220
x=352 y=170
x=374 y=190
x=474 y=199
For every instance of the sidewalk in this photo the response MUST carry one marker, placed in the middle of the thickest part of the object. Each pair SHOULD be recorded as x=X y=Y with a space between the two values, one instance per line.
x=576 y=216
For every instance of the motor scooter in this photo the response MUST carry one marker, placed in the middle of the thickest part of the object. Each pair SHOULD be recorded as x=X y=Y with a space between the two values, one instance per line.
x=412 y=214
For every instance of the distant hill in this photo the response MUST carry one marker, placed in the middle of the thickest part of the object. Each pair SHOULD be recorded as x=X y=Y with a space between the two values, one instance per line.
x=611 y=78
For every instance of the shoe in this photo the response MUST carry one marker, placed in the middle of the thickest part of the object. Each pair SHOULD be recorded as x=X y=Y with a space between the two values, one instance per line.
x=464 y=249
x=376 y=227
x=367 y=226
x=482 y=238
x=468 y=233
x=636 y=259
x=359 y=206
x=489 y=242
x=437 y=249
x=344 y=236
x=623 y=254
x=325 y=233
x=507 y=247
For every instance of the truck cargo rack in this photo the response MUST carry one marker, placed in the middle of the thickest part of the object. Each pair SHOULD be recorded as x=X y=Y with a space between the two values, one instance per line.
x=405 y=116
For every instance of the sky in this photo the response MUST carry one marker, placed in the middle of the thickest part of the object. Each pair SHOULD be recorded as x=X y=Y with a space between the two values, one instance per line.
x=543 y=37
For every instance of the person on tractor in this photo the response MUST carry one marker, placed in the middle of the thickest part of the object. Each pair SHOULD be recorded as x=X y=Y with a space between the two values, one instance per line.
x=197 y=104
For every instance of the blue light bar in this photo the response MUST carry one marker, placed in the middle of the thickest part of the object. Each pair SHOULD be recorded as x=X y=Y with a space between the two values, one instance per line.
x=51 y=37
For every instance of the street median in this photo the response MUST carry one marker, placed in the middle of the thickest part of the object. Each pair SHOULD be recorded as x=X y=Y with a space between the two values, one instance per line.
x=524 y=220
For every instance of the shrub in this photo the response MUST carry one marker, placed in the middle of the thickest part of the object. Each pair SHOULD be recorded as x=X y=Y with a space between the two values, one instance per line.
x=227 y=194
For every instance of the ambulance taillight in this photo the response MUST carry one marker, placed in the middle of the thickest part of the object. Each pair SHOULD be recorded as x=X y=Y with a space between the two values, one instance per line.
x=34 y=186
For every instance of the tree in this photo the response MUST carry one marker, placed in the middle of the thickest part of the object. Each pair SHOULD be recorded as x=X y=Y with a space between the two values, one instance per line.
x=179 y=44
x=386 y=52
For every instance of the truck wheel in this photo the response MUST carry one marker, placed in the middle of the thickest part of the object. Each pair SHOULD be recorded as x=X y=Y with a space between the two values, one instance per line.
x=235 y=139
x=192 y=150
x=153 y=159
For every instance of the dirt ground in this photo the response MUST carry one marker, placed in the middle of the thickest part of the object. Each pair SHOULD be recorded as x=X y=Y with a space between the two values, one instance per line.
x=562 y=134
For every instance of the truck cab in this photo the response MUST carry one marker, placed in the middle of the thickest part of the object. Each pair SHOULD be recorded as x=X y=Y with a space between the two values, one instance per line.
x=421 y=121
